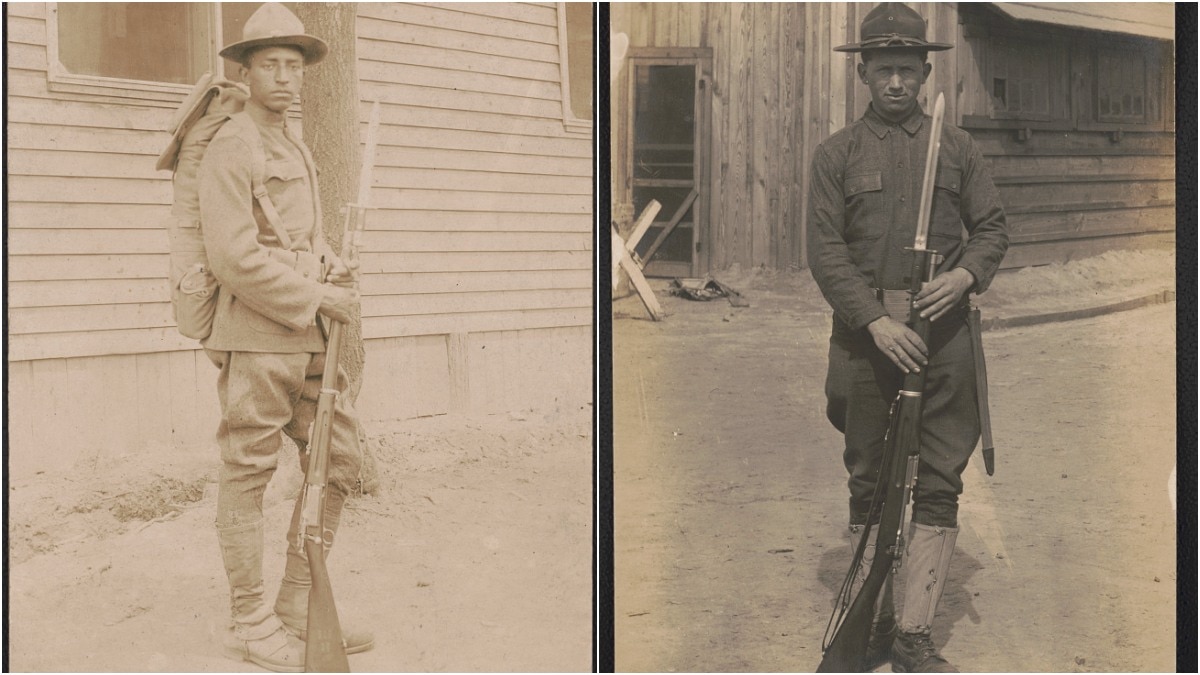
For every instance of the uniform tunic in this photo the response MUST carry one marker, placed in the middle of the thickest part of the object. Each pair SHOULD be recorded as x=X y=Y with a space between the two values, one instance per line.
x=865 y=190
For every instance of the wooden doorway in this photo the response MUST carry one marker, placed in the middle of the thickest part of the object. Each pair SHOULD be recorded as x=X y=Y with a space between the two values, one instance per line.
x=667 y=156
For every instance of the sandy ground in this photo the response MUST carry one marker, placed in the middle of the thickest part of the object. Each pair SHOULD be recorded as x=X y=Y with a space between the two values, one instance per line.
x=475 y=555
x=730 y=500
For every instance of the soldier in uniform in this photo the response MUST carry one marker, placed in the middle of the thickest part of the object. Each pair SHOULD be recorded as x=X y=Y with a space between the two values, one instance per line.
x=265 y=337
x=866 y=184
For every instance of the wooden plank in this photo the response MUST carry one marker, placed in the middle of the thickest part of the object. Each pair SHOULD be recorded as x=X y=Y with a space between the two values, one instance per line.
x=1092 y=179
x=54 y=432
x=53 y=112
x=80 y=241
x=183 y=411
x=495 y=366
x=993 y=142
x=1035 y=197
x=152 y=391
x=464 y=19
x=456 y=139
x=437 y=324
x=791 y=49
x=457 y=356
x=416 y=114
x=95 y=343
x=439 y=98
x=741 y=95
x=407 y=377
x=488 y=242
x=1096 y=167
x=35 y=136
x=61 y=293
x=542 y=15
x=1039 y=226
x=88 y=190
x=450 y=38
x=765 y=136
x=479 y=301
x=478 y=261
x=644 y=291
x=418 y=283
x=91 y=267
x=408 y=220
x=28 y=10
x=469 y=160
x=642 y=224
x=720 y=241
x=482 y=181
x=26 y=31
x=75 y=318
x=462 y=200
x=20 y=56
x=24 y=415
x=387 y=51
x=1025 y=255
x=458 y=80
x=53 y=215
x=684 y=206
x=81 y=164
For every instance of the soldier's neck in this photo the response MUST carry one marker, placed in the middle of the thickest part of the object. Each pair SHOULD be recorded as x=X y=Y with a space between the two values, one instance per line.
x=264 y=116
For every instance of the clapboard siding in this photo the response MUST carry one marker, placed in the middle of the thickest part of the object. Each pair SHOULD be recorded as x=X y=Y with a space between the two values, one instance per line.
x=482 y=230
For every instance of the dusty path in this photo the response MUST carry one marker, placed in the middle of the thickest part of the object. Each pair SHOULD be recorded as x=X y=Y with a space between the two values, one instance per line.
x=729 y=492
x=475 y=556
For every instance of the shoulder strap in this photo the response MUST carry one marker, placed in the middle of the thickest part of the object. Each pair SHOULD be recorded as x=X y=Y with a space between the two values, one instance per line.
x=258 y=187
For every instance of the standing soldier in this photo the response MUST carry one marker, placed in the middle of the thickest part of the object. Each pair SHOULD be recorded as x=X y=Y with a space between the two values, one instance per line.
x=865 y=191
x=267 y=254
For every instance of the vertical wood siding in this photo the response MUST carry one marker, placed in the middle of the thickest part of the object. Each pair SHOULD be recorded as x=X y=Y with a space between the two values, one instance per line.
x=483 y=227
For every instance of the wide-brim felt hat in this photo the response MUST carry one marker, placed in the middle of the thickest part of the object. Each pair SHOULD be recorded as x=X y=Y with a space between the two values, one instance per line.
x=274 y=25
x=892 y=25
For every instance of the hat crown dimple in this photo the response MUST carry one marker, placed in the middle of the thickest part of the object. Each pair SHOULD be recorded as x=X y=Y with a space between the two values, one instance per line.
x=271 y=20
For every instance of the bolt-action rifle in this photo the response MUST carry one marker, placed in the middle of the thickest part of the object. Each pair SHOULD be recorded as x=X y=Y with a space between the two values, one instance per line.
x=324 y=651
x=846 y=638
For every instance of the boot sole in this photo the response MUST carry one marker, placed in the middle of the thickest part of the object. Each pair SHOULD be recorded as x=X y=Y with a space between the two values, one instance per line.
x=243 y=655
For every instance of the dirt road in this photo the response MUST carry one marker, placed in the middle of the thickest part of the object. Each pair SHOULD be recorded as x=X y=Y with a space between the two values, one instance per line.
x=730 y=500
x=474 y=556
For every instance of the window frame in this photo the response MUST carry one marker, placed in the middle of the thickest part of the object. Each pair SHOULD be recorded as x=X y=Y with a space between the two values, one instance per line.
x=570 y=122
x=59 y=79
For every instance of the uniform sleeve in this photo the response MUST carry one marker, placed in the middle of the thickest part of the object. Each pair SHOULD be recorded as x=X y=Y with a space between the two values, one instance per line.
x=844 y=287
x=983 y=216
x=238 y=260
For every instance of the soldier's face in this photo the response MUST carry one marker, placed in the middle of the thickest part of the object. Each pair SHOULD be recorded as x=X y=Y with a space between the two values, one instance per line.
x=274 y=76
x=895 y=80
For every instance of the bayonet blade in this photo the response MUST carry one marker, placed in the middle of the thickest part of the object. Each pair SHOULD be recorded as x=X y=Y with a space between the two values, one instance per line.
x=935 y=143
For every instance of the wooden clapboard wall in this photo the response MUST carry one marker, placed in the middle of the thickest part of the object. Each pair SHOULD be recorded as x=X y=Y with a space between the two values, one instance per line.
x=477 y=276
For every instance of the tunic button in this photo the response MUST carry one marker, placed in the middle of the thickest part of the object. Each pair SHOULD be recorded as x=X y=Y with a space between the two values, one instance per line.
x=901 y=165
x=902 y=199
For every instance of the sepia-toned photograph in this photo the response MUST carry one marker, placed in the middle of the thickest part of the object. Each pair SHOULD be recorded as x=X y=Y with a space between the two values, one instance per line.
x=300 y=327
x=823 y=214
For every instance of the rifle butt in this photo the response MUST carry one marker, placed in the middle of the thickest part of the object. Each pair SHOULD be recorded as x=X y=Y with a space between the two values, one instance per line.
x=847 y=652
x=324 y=651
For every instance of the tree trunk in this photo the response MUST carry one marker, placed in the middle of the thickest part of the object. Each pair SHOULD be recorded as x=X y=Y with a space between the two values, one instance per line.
x=331 y=130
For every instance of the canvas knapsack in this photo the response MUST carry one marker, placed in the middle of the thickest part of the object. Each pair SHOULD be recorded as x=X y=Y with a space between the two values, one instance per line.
x=210 y=105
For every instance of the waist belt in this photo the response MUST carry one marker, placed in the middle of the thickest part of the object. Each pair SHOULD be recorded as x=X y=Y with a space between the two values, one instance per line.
x=898 y=303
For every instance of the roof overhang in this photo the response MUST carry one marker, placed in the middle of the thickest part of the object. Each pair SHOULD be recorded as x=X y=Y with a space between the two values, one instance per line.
x=1145 y=19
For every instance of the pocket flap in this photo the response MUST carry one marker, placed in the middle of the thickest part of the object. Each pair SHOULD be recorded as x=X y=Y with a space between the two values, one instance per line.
x=284 y=169
x=949 y=178
x=867 y=182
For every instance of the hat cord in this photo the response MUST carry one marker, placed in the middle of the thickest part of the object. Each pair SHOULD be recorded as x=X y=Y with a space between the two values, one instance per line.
x=892 y=40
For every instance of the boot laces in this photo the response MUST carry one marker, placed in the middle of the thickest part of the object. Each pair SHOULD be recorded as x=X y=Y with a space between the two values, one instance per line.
x=923 y=645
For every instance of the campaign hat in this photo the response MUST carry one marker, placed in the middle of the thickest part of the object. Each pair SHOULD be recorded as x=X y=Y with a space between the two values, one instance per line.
x=274 y=25
x=892 y=25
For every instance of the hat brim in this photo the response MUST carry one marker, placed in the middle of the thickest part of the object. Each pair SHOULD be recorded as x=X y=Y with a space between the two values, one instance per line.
x=863 y=47
x=313 y=48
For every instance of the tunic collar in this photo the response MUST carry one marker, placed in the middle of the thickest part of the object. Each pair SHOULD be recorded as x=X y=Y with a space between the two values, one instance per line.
x=879 y=126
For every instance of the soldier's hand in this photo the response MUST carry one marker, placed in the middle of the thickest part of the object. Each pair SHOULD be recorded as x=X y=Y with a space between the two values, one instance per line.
x=944 y=293
x=342 y=273
x=339 y=303
x=896 y=340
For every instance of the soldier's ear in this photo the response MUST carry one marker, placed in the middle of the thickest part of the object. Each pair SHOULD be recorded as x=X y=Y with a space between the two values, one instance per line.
x=925 y=70
x=862 y=72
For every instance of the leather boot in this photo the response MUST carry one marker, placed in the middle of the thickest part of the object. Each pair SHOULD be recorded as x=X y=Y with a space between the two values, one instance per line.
x=927 y=564
x=291 y=605
x=256 y=634
x=883 y=626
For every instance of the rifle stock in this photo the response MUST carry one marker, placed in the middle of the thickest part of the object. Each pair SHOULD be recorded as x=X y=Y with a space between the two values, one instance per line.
x=846 y=650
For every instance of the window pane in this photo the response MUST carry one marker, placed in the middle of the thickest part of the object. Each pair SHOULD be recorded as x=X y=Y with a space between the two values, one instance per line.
x=152 y=41
x=1120 y=86
x=579 y=58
